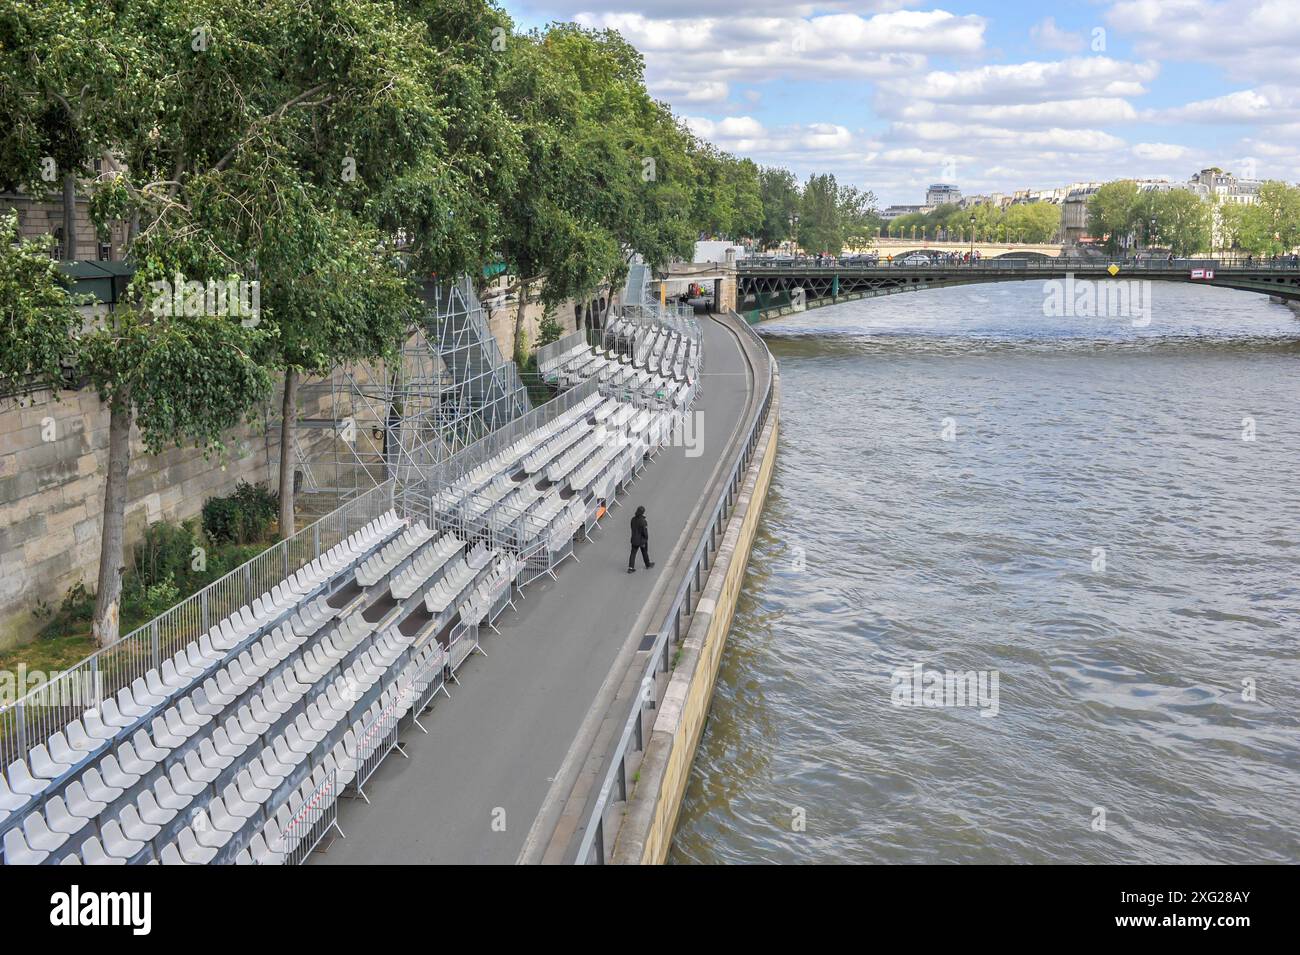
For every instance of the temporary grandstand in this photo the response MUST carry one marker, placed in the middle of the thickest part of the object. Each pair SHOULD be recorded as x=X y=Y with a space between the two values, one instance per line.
x=226 y=730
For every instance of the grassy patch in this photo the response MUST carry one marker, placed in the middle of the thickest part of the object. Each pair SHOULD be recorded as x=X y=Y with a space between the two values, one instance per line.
x=170 y=563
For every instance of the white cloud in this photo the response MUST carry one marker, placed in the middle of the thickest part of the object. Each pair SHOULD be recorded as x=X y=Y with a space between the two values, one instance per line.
x=1074 y=112
x=1034 y=81
x=755 y=49
x=748 y=136
x=685 y=91
x=1077 y=140
x=1266 y=104
x=1253 y=40
x=1051 y=37
x=1159 y=152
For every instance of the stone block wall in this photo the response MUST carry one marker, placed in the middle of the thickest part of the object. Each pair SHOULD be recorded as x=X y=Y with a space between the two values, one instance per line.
x=53 y=458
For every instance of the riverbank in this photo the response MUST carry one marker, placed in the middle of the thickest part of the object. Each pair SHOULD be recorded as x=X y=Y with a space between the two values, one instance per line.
x=653 y=807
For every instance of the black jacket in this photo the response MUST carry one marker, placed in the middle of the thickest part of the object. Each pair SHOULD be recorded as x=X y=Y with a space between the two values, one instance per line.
x=640 y=531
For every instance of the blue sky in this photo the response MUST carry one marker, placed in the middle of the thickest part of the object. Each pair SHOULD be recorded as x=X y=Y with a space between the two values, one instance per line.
x=893 y=95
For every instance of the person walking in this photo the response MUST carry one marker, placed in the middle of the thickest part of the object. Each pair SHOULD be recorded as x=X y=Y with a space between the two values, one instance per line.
x=640 y=541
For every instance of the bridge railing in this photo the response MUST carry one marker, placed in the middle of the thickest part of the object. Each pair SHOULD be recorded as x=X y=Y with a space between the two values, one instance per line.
x=1239 y=264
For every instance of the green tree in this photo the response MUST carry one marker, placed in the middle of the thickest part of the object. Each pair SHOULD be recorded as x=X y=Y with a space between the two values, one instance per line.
x=779 y=194
x=859 y=218
x=550 y=229
x=38 y=319
x=1271 y=224
x=1182 y=220
x=820 y=226
x=1112 y=213
x=1034 y=221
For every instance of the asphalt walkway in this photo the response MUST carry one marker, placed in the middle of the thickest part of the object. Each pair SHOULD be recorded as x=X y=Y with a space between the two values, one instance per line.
x=473 y=786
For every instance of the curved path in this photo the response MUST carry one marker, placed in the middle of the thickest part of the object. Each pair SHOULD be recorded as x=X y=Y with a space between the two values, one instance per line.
x=473 y=787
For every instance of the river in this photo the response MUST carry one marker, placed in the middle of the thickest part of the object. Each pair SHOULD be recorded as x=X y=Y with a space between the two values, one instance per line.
x=1100 y=517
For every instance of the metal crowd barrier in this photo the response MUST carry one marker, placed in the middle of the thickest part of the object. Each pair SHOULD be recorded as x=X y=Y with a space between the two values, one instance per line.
x=375 y=740
x=314 y=819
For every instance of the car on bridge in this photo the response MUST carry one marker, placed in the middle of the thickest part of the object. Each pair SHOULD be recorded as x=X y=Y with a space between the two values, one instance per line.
x=916 y=258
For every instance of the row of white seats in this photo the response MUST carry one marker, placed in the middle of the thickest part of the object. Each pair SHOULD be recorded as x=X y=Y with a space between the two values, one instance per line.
x=448 y=588
x=426 y=563
x=25 y=779
x=226 y=815
x=490 y=588
x=561 y=467
x=378 y=566
x=541 y=457
x=86 y=799
x=450 y=498
x=174 y=790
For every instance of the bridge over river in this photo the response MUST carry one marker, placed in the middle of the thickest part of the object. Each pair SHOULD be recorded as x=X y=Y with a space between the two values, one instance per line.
x=772 y=288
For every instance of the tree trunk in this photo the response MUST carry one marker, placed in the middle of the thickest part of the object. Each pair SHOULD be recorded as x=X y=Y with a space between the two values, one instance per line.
x=520 y=343
x=69 y=218
x=108 y=593
x=289 y=418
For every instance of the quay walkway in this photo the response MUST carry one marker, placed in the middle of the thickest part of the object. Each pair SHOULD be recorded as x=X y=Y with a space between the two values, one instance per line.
x=474 y=789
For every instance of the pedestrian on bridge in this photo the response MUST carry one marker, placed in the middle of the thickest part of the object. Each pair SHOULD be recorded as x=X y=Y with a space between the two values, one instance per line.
x=640 y=541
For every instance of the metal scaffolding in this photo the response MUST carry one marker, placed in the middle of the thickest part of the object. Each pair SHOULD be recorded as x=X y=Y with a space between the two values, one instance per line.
x=445 y=388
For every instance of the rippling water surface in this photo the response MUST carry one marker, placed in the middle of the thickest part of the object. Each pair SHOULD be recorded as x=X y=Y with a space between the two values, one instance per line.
x=1119 y=689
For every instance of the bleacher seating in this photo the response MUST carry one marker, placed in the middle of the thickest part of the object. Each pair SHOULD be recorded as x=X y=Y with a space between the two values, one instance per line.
x=216 y=754
x=229 y=749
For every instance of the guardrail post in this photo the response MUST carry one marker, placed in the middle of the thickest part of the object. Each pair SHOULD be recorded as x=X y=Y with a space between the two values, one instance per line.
x=20 y=724
x=153 y=637
x=94 y=680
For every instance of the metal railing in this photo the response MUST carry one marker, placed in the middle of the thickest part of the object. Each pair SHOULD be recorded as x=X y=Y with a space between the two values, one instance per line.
x=1042 y=264
x=486 y=448
x=548 y=356
x=593 y=847
x=318 y=814
x=33 y=718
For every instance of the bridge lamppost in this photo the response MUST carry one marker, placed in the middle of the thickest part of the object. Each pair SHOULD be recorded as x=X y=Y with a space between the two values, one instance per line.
x=972 y=237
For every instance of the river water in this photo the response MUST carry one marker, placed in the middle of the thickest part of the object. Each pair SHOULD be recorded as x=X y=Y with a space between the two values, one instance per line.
x=1070 y=505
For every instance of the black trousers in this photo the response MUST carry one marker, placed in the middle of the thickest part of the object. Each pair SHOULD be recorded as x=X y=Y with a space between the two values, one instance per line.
x=645 y=555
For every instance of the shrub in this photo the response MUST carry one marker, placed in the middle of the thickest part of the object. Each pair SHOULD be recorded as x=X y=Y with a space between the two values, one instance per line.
x=242 y=517
x=141 y=602
x=548 y=331
x=165 y=552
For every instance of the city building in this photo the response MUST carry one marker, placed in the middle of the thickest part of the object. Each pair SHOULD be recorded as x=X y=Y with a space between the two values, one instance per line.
x=1074 y=212
x=44 y=216
x=1225 y=187
x=942 y=194
x=894 y=212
